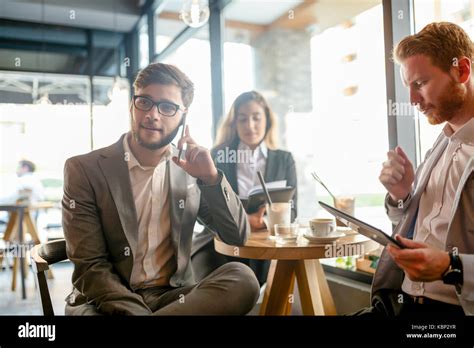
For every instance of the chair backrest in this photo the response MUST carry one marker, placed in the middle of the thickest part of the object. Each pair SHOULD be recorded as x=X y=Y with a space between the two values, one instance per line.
x=42 y=256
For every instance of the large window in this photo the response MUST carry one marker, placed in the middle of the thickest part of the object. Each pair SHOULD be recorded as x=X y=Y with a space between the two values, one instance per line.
x=327 y=87
x=193 y=58
x=460 y=12
x=345 y=138
x=47 y=118
x=143 y=48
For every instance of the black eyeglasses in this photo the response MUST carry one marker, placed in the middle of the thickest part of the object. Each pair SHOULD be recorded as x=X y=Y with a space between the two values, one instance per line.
x=165 y=108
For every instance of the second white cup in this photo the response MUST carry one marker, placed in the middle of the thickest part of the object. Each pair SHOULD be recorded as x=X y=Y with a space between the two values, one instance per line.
x=322 y=227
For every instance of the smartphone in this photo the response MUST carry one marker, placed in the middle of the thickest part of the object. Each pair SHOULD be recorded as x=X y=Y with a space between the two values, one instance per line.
x=182 y=135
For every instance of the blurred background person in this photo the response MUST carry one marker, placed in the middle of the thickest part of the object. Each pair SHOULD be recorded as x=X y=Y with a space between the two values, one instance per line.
x=249 y=128
x=28 y=188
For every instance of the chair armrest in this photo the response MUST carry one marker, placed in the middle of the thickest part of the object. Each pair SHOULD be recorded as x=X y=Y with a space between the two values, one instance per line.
x=39 y=264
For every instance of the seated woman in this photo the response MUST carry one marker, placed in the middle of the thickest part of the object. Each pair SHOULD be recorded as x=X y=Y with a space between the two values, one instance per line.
x=250 y=126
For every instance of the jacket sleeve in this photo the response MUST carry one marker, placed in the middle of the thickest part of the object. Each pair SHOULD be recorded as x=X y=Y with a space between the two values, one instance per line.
x=221 y=210
x=395 y=210
x=94 y=275
x=463 y=224
x=466 y=296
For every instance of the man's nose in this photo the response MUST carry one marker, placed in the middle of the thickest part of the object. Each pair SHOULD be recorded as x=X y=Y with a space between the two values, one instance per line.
x=153 y=114
x=415 y=97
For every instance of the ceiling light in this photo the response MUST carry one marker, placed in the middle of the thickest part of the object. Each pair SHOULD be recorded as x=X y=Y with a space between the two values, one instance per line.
x=195 y=13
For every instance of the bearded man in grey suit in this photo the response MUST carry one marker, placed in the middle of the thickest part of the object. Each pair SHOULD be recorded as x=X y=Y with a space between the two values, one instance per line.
x=129 y=211
x=434 y=207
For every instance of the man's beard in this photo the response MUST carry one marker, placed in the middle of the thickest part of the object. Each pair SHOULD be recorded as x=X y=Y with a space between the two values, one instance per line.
x=450 y=102
x=159 y=144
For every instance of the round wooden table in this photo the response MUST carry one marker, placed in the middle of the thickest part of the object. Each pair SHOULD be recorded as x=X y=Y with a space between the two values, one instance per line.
x=300 y=260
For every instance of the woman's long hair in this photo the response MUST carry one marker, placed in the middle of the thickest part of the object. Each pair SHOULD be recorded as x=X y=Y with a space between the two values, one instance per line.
x=227 y=133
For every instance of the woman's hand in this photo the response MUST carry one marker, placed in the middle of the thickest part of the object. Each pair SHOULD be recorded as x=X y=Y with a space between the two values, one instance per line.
x=256 y=219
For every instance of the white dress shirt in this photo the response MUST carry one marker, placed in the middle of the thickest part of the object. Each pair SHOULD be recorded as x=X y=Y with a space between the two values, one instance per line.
x=256 y=160
x=436 y=204
x=154 y=260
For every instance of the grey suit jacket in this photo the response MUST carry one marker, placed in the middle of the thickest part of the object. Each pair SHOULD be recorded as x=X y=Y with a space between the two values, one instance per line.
x=280 y=165
x=460 y=230
x=100 y=226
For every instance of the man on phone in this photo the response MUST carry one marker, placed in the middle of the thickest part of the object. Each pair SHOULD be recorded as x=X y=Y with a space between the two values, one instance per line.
x=434 y=207
x=129 y=211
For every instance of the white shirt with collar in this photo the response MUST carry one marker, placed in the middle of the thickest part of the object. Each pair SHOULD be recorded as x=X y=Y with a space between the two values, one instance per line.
x=255 y=160
x=154 y=260
x=436 y=204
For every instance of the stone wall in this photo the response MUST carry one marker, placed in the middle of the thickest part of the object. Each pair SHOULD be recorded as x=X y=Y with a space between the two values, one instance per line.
x=283 y=71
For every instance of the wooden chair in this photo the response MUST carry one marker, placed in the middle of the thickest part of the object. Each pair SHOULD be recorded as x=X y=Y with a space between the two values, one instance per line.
x=43 y=255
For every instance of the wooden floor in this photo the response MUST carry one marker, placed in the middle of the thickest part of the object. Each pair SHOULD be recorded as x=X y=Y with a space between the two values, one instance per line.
x=11 y=302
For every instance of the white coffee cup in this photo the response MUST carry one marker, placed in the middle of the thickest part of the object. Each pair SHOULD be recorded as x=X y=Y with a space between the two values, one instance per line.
x=322 y=227
x=279 y=213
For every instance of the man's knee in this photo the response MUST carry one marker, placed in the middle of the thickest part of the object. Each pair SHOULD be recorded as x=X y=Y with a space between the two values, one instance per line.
x=83 y=309
x=247 y=289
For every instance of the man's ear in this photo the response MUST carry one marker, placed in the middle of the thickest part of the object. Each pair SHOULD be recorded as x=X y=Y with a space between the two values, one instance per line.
x=462 y=69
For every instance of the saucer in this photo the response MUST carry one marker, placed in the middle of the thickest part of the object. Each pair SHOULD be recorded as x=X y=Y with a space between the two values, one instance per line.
x=346 y=230
x=323 y=240
x=286 y=240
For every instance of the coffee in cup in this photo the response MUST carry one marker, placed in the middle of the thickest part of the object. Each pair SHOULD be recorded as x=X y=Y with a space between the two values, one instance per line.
x=345 y=204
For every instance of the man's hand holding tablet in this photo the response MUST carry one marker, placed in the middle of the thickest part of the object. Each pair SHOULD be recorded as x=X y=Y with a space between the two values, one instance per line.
x=421 y=262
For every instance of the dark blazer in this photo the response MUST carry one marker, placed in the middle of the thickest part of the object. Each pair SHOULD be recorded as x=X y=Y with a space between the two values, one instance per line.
x=280 y=165
x=100 y=226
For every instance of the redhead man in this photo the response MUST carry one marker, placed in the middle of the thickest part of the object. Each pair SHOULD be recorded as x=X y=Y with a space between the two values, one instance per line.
x=434 y=206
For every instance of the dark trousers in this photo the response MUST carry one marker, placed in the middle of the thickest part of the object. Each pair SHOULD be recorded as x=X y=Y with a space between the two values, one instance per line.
x=393 y=303
x=207 y=259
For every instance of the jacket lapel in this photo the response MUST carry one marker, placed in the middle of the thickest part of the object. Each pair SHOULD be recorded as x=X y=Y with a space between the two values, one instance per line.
x=429 y=164
x=114 y=167
x=184 y=204
x=420 y=186
x=177 y=196
x=270 y=170
x=230 y=168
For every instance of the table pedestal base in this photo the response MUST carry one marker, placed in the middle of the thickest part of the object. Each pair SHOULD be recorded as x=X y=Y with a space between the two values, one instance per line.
x=316 y=298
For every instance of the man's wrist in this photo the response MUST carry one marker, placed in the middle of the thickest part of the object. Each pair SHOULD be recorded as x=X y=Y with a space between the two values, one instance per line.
x=447 y=263
x=211 y=179
x=453 y=275
x=394 y=201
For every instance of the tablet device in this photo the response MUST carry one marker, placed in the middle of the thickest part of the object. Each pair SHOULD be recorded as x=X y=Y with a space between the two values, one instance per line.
x=363 y=228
